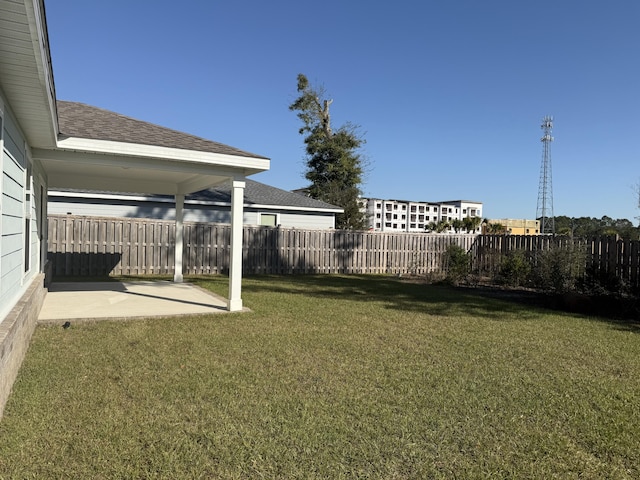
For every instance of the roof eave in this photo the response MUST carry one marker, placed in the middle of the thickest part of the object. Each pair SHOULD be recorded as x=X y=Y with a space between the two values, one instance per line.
x=26 y=75
x=248 y=164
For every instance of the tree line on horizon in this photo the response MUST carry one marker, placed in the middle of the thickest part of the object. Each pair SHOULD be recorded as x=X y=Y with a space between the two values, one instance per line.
x=596 y=227
x=584 y=227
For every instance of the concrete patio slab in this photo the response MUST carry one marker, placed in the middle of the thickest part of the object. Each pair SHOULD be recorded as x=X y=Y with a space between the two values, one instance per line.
x=89 y=301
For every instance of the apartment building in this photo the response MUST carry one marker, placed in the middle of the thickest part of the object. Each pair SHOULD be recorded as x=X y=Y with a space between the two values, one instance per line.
x=409 y=216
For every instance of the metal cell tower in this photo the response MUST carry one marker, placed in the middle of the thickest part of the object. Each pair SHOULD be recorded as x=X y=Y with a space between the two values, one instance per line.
x=545 y=190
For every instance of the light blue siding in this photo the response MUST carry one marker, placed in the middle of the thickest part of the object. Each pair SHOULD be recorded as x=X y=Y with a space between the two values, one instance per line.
x=11 y=207
x=12 y=213
x=11 y=268
x=12 y=178
x=11 y=226
x=14 y=142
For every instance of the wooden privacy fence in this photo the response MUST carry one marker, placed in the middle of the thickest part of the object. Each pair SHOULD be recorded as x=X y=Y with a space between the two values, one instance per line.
x=601 y=257
x=96 y=246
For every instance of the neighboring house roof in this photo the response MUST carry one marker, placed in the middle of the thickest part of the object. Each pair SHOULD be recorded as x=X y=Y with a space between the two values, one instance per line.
x=255 y=193
x=85 y=121
x=262 y=194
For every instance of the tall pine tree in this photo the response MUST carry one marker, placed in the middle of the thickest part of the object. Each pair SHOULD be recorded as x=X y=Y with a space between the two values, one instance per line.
x=334 y=164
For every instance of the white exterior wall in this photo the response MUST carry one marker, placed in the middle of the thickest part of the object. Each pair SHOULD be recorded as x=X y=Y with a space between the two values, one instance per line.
x=403 y=216
x=421 y=214
x=21 y=202
x=400 y=216
x=307 y=221
x=448 y=211
x=471 y=209
x=193 y=212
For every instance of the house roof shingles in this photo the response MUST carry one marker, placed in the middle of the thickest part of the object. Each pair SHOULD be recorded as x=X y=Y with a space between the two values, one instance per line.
x=261 y=194
x=85 y=121
x=255 y=193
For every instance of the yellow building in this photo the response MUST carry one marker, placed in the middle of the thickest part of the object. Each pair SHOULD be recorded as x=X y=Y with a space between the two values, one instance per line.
x=518 y=226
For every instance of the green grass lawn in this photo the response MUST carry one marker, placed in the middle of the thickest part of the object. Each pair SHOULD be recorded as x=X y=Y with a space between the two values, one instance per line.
x=331 y=377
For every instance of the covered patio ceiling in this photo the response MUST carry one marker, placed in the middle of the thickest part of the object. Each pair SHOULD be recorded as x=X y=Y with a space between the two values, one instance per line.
x=125 y=173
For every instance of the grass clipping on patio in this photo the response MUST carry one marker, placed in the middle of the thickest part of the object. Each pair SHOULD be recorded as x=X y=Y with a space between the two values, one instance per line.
x=331 y=377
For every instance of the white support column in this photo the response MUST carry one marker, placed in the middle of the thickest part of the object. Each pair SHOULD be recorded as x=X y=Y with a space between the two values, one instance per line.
x=177 y=276
x=235 y=266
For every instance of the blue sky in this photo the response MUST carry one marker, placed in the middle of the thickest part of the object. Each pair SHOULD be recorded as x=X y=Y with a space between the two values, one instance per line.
x=449 y=95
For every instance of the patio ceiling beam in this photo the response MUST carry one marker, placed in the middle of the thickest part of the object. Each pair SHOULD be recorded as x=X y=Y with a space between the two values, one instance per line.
x=111 y=184
x=198 y=182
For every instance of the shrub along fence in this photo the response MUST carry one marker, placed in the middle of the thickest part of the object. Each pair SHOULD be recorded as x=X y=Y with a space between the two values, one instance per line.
x=608 y=260
x=97 y=246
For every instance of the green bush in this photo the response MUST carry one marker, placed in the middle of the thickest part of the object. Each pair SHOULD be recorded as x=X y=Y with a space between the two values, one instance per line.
x=514 y=269
x=458 y=264
x=597 y=283
x=557 y=269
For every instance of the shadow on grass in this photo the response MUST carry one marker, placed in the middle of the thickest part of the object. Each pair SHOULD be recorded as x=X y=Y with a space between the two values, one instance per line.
x=393 y=293
x=417 y=296
x=434 y=299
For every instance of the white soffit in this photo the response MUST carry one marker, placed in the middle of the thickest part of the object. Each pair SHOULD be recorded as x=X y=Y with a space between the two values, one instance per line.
x=118 y=166
x=249 y=164
x=25 y=70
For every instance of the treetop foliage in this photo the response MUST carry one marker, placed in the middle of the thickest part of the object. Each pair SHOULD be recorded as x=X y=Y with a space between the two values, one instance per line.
x=594 y=227
x=334 y=165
